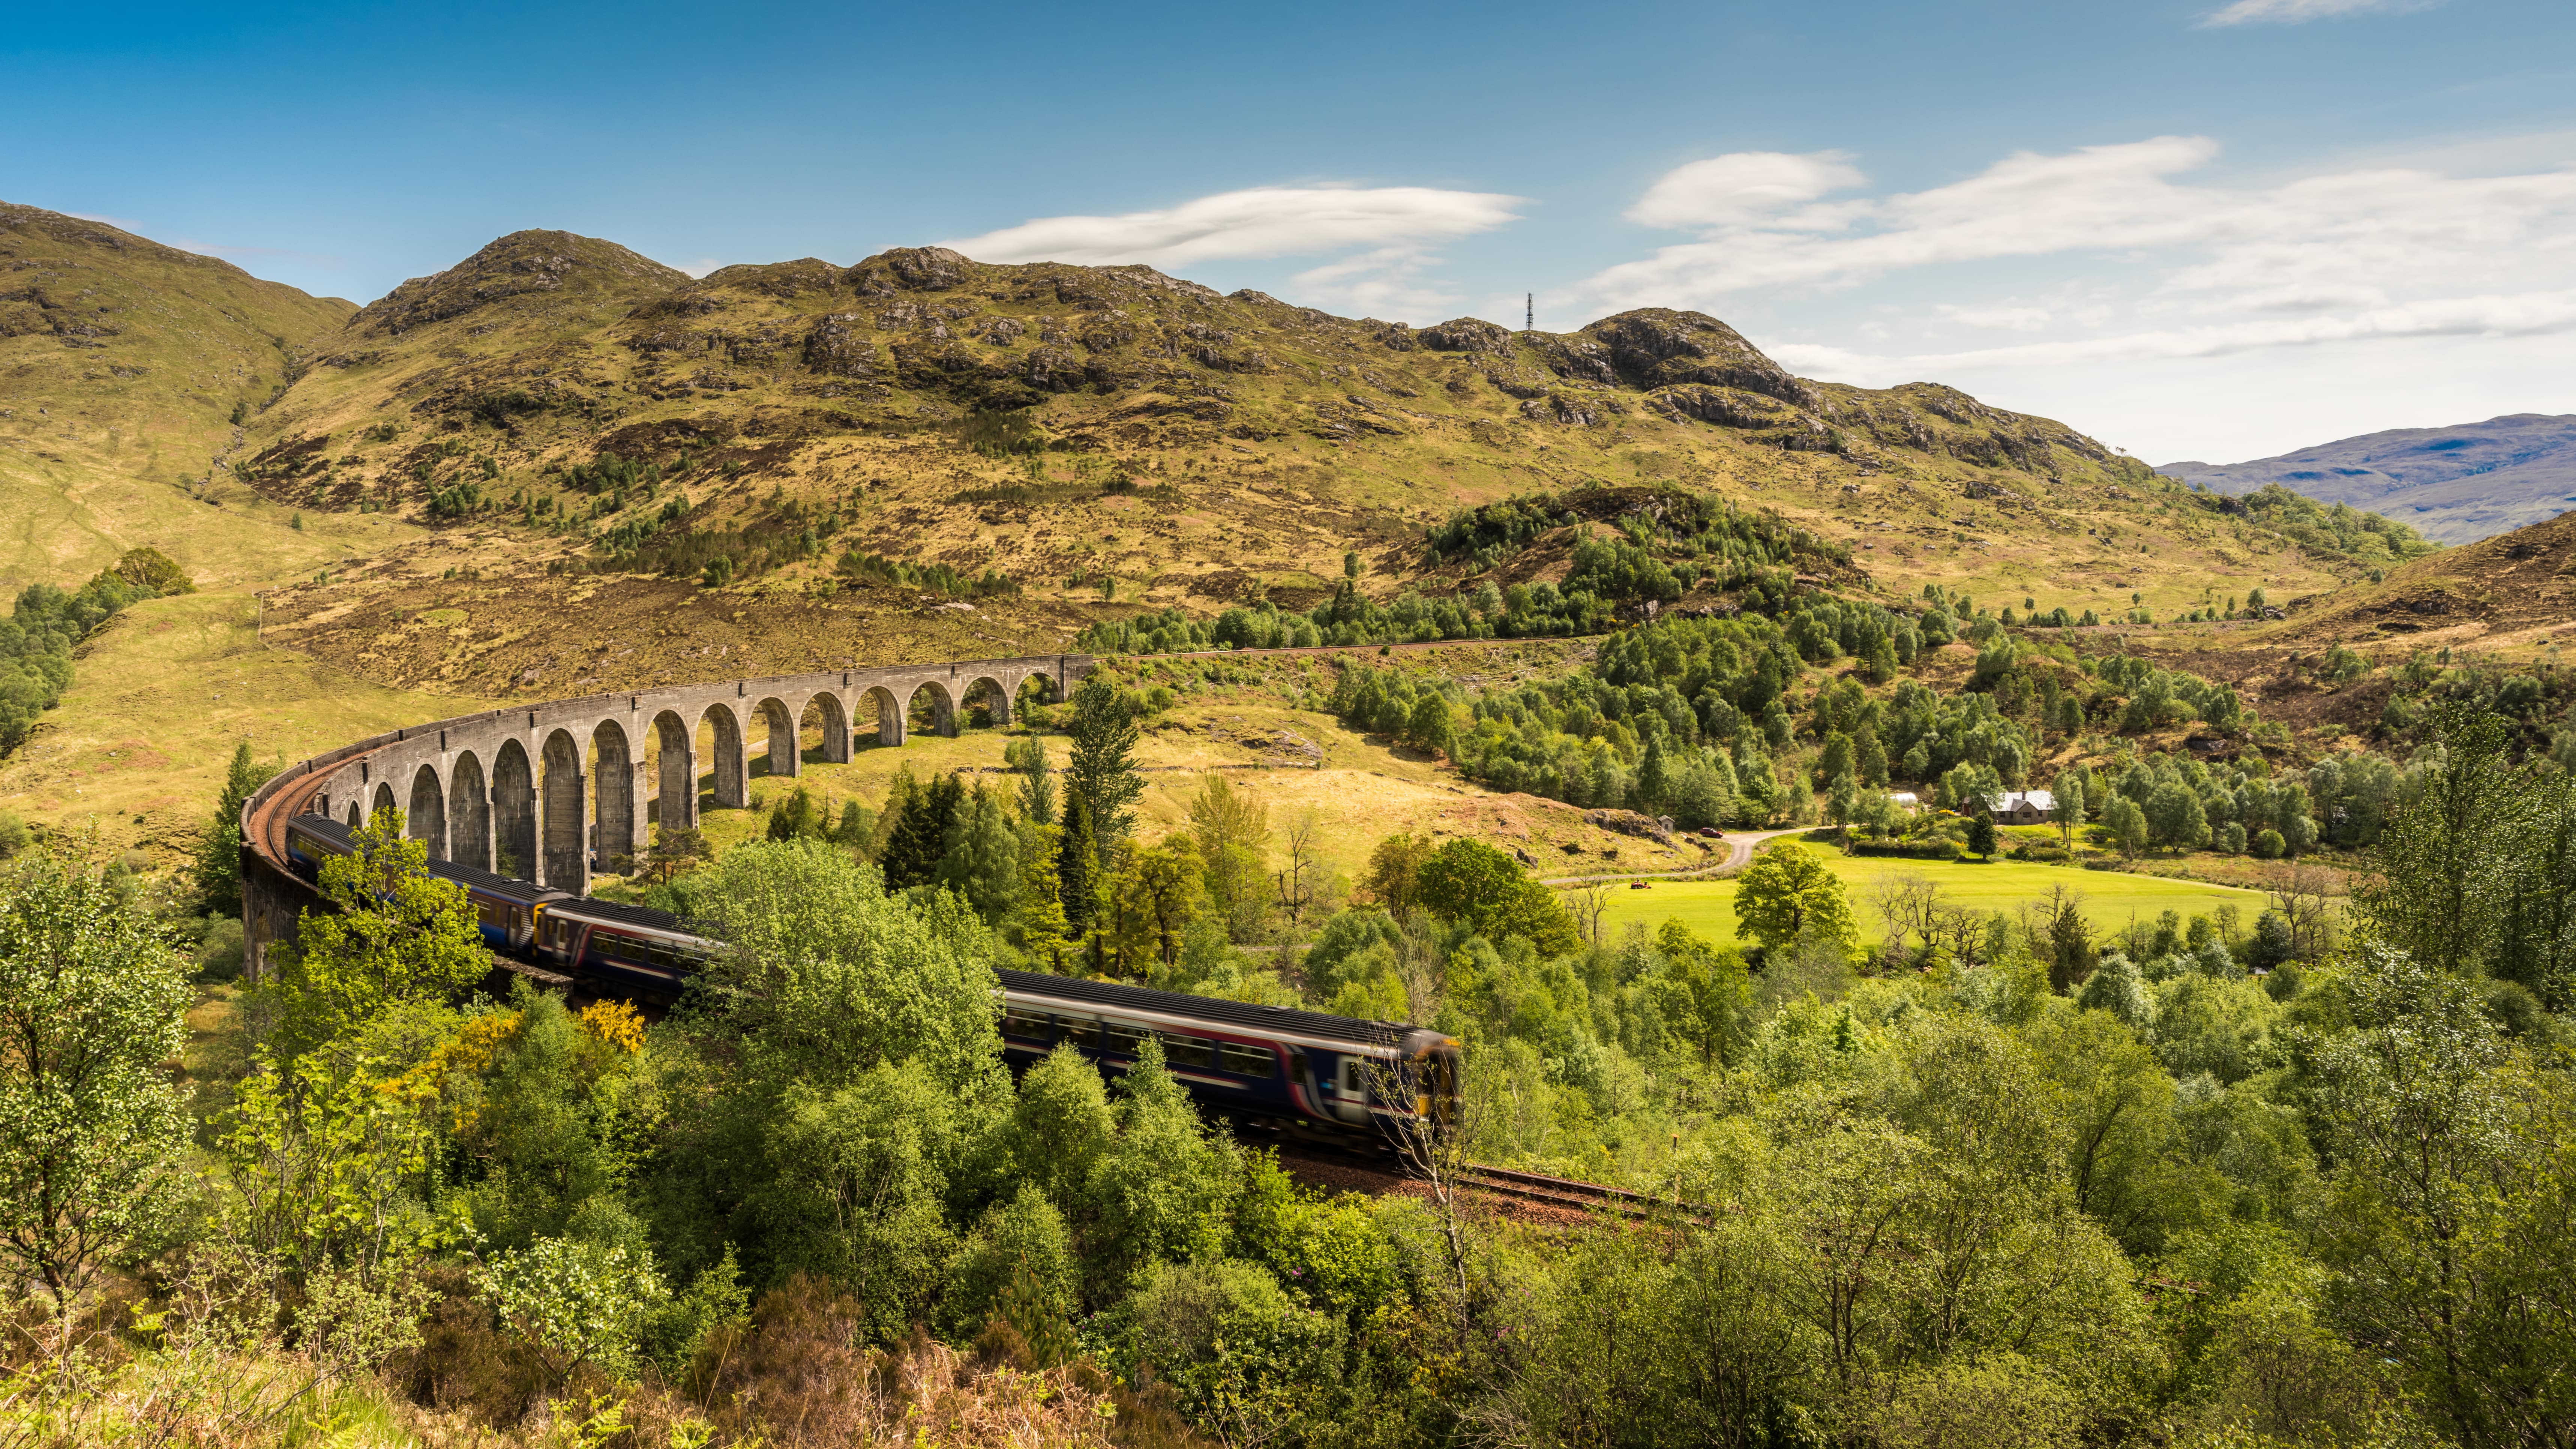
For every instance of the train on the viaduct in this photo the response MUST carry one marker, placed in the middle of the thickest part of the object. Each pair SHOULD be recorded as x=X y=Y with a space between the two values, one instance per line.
x=519 y=806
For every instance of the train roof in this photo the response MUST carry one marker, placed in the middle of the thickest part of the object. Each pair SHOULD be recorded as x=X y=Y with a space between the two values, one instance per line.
x=322 y=825
x=1247 y=1015
x=504 y=886
x=643 y=918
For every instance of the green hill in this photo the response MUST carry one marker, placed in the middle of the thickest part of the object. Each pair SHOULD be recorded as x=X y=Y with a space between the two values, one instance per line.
x=126 y=368
x=921 y=437
x=785 y=465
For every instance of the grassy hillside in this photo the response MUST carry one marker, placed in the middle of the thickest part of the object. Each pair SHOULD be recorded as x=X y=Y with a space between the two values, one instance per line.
x=159 y=697
x=123 y=366
x=1054 y=444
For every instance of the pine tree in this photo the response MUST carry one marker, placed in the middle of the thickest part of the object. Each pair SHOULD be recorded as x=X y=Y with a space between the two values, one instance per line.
x=1101 y=767
x=1077 y=869
x=219 y=851
x=913 y=851
x=1654 y=775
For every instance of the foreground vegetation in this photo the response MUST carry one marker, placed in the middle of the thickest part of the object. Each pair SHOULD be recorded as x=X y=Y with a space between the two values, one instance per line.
x=2005 y=1180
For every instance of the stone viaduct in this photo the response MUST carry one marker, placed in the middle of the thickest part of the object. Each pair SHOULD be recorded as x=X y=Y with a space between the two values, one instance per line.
x=551 y=792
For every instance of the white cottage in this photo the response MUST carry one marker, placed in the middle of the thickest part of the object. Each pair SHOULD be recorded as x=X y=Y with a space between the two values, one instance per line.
x=2023 y=807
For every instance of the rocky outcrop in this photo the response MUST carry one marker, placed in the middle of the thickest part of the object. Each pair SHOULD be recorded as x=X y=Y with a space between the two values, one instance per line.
x=835 y=348
x=1628 y=822
x=909 y=269
x=1466 y=334
x=1656 y=347
x=522 y=264
x=1728 y=407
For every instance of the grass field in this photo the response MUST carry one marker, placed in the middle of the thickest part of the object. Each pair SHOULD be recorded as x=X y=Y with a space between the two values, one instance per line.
x=2111 y=899
x=1360 y=791
x=159 y=697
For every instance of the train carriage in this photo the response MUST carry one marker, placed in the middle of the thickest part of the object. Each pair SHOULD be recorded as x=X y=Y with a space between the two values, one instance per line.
x=633 y=948
x=1239 y=1057
x=1336 y=1074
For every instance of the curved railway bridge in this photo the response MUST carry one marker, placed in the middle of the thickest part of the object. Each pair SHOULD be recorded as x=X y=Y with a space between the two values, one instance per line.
x=552 y=792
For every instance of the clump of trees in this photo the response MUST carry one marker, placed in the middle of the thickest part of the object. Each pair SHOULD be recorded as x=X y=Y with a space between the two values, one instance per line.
x=36 y=640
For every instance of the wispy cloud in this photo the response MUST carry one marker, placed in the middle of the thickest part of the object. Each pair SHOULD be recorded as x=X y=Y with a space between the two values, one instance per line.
x=2010 y=319
x=701 y=266
x=2340 y=256
x=2522 y=314
x=1746 y=188
x=1382 y=239
x=2294 y=12
x=1272 y=221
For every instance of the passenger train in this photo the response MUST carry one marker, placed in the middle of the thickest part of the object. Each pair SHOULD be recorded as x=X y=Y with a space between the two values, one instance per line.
x=1331 y=1075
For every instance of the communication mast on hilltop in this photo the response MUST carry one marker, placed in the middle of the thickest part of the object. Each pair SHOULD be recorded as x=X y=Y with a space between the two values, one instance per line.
x=1529 y=311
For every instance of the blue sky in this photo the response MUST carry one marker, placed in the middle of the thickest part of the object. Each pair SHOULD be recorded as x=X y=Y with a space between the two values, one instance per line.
x=2216 y=229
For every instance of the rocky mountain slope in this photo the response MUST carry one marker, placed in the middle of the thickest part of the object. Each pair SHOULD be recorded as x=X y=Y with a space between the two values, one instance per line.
x=562 y=464
x=1089 y=438
x=2457 y=484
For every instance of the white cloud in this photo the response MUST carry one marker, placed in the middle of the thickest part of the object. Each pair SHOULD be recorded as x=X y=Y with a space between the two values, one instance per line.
x=1743 y=187
x=2294 y=12
x=701 y=266
x=1387 y=282
x=2340 y=256
x=2527 y=314
x=1261 y=222
x=2124 y=269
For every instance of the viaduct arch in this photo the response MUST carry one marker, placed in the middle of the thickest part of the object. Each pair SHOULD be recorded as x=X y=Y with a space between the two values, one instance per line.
x=554 y=792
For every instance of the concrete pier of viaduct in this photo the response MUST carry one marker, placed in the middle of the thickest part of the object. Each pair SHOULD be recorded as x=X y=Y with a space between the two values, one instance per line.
x=553 y=792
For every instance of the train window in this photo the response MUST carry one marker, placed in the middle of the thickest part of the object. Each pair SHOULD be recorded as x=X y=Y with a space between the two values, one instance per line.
x=1126 y=1041
x=1031 y=1025
x=1079 y=1031
x=1188 y=1051
x=1246 y=1061
x=1354 y=1079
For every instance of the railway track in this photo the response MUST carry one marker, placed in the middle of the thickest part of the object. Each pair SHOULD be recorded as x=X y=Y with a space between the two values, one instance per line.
x=1559 y=1192
x=1378 y=1173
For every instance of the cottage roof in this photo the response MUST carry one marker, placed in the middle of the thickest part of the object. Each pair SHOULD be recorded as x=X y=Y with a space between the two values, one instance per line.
x=2012 y=800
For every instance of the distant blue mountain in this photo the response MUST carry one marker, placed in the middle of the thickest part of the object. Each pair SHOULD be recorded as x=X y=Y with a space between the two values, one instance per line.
x=2457 y=484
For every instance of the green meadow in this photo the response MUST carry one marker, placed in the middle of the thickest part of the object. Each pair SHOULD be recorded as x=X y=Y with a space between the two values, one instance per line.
x=2111 y=899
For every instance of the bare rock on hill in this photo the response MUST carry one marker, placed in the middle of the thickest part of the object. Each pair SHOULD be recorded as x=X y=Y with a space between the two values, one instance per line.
x=1629 y=822
x=1657 y=347
x=1729 y=407
x=836 y=349
x=1466 y=334
x=518 y=265
x=909 y=269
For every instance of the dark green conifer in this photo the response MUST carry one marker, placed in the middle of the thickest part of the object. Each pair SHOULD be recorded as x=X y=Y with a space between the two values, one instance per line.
x=1076 y=863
